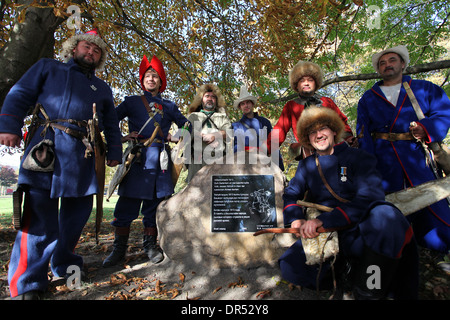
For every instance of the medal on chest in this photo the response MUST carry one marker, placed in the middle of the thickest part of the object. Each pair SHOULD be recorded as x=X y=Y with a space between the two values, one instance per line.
x=154 y=109
x=343 y=174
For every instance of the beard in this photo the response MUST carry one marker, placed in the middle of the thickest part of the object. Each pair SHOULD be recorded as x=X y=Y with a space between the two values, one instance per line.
x=391 y=73
x=209 y=106
x=85 y=63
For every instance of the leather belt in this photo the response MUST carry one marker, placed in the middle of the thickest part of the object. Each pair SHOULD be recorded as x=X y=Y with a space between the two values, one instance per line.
x=391 y=136
x=154 y=141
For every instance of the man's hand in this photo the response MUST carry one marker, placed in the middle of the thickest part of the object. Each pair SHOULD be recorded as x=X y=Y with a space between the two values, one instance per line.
x=417 y=131
x=112 y=163
x=309 y=228
x=10 y=140
x=352 y=141
x=296 y=224
x=210 y=138
x=133 y=135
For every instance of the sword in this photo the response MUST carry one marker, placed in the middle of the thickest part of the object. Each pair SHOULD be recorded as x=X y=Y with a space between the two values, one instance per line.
x=177 y=155
x=419 y=113
x=100 y=158
x=123 y=169
x=433 y=145
x=145 y=144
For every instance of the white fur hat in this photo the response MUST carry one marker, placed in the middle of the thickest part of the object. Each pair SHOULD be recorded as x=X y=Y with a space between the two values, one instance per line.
x=90 y=36
x=401 y=50
x=244 y=96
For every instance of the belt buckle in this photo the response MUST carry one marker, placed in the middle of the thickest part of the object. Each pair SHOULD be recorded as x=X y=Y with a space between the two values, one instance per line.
x=391 y=136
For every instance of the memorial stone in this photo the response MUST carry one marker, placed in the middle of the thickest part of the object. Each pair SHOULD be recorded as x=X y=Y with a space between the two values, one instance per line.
x=212 y=220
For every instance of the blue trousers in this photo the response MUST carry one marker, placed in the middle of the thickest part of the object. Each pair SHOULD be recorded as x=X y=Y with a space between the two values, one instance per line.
x=50 y=231
x=127 y=209
x=383 y=230
x=431 y=230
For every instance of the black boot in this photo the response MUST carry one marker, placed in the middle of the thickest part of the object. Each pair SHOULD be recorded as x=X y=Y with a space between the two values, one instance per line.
x=151 y=248
x=373 y=276
x=120 y=246
x=30 y=295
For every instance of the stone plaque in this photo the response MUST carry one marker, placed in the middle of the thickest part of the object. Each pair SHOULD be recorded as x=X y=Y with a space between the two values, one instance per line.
x=242 y=203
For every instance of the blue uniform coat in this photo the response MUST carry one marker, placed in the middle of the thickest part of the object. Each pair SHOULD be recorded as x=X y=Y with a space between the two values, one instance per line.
x=367 y=219
x=256 y=123
x=59 y=202
x=146 y=180
x=403 y=162
x=65 y=93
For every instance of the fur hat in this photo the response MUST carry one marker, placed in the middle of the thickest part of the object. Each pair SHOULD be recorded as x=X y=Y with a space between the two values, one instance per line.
x=402 y=51
x=90 y=36
x=208 y=87
x=316 y=117
x=305 y=68
x=244 y=96
x=157 y=66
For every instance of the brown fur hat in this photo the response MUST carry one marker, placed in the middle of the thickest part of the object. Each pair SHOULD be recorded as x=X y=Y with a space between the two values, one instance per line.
x=313 y=118
x=208 y=87
x=305 y=68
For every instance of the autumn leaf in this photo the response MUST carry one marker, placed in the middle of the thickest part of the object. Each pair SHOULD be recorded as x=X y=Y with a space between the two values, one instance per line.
x=62 y=288
x=359 y=3
x=187 y=298
x=263 y=294
x=158 y=286
x=238 y=284
x=174 y=292
x=116 y=279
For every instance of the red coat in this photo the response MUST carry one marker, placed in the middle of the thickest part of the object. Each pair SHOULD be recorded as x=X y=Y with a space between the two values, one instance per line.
x=291 y=113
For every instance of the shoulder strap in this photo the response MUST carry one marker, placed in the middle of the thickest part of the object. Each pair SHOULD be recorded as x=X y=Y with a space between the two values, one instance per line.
x=414 y=102
x=208 y=118
x=144 y=100
x=326 y=183
x=244 y=124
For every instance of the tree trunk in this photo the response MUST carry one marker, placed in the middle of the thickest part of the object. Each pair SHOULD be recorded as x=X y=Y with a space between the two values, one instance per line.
x=30 y=41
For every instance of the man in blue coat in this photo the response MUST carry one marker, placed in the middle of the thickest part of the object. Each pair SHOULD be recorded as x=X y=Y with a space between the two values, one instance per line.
x=66 y=178
x=251 y=128
x=386 y=120
x=371 y=231
x=148 y=182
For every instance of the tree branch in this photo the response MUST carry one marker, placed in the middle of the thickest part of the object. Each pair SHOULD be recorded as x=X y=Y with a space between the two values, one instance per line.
x=145 y=36
x=420 y=68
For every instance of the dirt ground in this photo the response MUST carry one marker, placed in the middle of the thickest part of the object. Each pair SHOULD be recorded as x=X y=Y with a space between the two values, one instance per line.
x=138 y=279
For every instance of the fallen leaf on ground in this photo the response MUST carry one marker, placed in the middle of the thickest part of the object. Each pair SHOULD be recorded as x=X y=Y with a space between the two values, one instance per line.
x=263 y=294
x=239 y=284
x=118 y=279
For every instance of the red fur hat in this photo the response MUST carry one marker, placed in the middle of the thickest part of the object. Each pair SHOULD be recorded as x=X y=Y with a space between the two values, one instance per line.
x=157 y=66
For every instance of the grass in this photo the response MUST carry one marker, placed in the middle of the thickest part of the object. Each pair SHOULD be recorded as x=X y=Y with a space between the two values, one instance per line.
x=6 y=205
x=6 y=210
